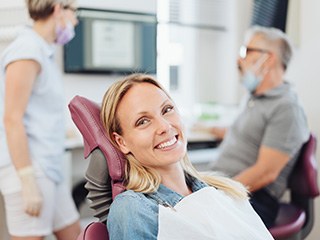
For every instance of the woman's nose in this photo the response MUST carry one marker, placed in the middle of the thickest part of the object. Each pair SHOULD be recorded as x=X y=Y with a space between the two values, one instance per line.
x=163 y=125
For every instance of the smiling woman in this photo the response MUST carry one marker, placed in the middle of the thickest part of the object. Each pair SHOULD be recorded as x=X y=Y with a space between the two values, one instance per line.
x=163 y=188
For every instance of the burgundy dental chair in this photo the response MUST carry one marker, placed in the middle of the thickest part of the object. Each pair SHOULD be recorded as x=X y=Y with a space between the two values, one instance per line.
x=106 y=165
x=296 y=218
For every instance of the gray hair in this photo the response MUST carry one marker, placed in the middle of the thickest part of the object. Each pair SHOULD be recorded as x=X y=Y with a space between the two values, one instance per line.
x=276 y=38
x=41 y=9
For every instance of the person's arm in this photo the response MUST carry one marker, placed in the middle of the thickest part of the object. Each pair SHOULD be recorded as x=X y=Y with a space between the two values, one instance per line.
x=218 y=132
x=267 y=168
x=20 y=77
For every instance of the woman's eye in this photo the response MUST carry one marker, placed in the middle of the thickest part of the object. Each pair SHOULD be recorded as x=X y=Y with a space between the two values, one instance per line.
x=167 y=109
x=142 y=121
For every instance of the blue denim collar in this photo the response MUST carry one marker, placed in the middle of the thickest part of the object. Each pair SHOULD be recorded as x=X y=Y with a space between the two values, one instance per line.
x=169 y=198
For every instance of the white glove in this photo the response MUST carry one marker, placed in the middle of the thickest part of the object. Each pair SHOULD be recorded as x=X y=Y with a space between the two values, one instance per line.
x=30 y=191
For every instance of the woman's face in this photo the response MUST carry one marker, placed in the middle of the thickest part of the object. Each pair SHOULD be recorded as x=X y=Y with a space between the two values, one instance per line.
x=151 y=127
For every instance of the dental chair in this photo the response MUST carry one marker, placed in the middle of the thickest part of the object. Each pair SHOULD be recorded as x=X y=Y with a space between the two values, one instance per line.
x=296 y=218
x=106 y=167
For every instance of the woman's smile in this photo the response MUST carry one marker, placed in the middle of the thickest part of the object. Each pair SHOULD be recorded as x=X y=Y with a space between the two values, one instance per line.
x=168 y=144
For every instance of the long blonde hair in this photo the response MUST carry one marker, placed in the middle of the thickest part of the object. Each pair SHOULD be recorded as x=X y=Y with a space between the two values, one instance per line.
x=141 y=178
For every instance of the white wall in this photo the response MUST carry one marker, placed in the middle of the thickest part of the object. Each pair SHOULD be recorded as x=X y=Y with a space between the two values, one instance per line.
x=305 y=73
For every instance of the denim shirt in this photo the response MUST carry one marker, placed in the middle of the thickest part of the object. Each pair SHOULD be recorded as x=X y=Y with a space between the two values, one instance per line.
x=134 y=215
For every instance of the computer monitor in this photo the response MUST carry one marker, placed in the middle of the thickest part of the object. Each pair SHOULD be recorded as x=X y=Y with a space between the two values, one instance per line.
x=112 y=42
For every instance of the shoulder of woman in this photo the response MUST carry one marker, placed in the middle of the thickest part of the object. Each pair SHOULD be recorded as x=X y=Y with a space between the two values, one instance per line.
x=129 y=194
x=25 y=41
x=132 y=216
x=22 y=48
x=132 y=205
x=130 y=200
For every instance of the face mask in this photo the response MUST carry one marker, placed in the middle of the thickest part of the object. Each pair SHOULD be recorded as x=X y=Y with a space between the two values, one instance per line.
x=64 y=35
x=249 y=79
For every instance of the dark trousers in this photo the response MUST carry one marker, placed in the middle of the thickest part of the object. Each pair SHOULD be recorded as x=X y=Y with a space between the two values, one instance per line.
x=266 y=206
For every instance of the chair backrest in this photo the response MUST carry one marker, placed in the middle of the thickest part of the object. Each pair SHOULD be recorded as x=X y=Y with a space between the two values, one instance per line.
x=303 y=179
x=86 y=115
x=303 y=182
x=296 y=218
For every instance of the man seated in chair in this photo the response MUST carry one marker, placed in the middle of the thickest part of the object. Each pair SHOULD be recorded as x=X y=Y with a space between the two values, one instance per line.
x=261 y=147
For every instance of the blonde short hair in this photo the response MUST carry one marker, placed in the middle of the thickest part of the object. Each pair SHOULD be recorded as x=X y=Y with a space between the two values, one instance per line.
x=41 y=9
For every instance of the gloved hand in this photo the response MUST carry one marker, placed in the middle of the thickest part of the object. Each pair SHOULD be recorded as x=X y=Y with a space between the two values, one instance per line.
x=30 y=191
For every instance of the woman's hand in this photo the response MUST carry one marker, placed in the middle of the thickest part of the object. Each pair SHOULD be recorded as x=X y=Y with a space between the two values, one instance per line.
x=218 y=132
x=30 y=191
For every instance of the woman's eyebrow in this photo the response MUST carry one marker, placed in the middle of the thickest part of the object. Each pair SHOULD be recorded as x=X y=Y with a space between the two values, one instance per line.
x=161 y=106
x=165 y=102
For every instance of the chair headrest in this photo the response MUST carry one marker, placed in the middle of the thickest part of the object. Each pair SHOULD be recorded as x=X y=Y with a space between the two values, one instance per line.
x=303 y=179
x=86 y=116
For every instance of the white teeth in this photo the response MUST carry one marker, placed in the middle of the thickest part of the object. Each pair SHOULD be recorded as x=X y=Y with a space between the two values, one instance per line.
x=167 y=144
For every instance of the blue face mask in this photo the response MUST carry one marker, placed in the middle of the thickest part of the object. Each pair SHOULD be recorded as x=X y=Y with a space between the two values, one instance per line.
x=250 y=81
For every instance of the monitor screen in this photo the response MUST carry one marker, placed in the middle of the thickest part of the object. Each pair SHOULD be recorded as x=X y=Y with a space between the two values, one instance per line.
x=112 y=42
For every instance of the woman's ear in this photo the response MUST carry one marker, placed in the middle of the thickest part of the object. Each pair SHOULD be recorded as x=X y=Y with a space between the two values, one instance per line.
x=121 y=143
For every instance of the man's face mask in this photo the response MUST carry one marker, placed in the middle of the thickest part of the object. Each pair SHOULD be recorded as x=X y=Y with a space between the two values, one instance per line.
x=250 y=79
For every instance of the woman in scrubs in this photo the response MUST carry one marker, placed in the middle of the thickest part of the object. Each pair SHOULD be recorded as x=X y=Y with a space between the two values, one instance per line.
x=37 y=200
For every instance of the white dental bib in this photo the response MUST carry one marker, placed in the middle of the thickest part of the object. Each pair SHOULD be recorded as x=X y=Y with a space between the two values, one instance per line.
x=211 y=214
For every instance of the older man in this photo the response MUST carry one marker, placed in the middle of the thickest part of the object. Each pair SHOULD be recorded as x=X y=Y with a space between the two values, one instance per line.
x=262 y=145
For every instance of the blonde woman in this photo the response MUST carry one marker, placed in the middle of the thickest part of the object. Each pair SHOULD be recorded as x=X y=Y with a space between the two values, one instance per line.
x=166 y=197
x=37 y=200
